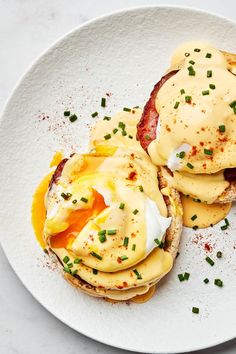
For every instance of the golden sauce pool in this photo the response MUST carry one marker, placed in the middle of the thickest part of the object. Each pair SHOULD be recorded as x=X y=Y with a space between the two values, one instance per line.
x=38 y=209
x=203 y=215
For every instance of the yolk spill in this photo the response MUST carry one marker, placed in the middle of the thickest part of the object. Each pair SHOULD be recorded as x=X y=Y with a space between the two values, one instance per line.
x=77 y=221
x=38 y=209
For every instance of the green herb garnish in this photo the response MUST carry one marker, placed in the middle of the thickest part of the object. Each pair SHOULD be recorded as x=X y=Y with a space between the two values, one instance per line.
x=218 y=282
x=209 y=73
x=66 y=113
x=103 y=102
x=176 y=105
x=83 y=199
x=126 y=109
x=94 y=254
x=122 y=205
x=137 y=274
x=195 y=310
x=107 y=136
x=194 y=217
x=73 y=118
x=206 y=92
x=94 y=114
x=126 y=241
x=135 y=211
x=210 y=261
x=208 y=152
x=111 y=232
x=189 y=165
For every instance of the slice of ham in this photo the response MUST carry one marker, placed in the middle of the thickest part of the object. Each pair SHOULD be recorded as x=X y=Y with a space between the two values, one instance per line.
x=146 y=128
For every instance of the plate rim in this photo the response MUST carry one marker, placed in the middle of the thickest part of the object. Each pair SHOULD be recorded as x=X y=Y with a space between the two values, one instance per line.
x=26 y=73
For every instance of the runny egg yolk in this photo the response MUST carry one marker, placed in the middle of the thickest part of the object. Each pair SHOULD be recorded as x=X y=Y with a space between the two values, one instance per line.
x=39 y=210
x=77 y=221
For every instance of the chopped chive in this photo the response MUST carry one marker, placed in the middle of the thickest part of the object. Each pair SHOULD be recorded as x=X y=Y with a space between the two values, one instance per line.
x=147 y=137
x=222 y=128
x=103 y=102
x=101 y=232
x=194 y=217
x=111 y=232
x=189 y=165
x=226 y=222
x=66 y=113
x=137 y=274
x=121 y=125
x=85 y=200
x=176 y=105
x=115 y=130
x=210 y=261
x=135 y=211
x=219 y=254
x=106 y=118
x=126 y=109
x=159 y=243
x=181 y=277
x=94 y=254
x=74 y=272
x=124 y=133
x=206 y=280
x=73 y=118
x=140 y=188
x=95 y=271
x=123 y=258
x=107 y=136
x=130 y=136
x=195 y=227
x=67 y=270
x=134 y=247
x=187 y=54
x=102 y=238
x=66 y=196
x=224 y=227
x=208 y=55
x=209 y=73
x=182 y=91
x=218 y=282
x=188 y=99
x=212 y=86
x=196 y=200
x=177 y=254
x=126 y=241
x=232 y=104
x=208 y=152
x=206 y=92
x=197 y=50
x=122 y=205
x=66 y=259
x=74 y=201
x=195 y=310
x=136 y=107
x=180 y=155
x=94 y=114
x=191 y=71
x=191 y=62
x=77 y=260
x=69 y=265
x=186 y=276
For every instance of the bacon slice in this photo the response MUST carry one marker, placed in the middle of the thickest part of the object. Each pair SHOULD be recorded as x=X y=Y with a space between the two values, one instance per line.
x=146 y=128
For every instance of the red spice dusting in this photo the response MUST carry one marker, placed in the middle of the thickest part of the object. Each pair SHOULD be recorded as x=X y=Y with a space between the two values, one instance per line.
x=194 y=151
x=119 y=287
x=208 y=247
x=203 y=129
x=132 y=176
x=168 y=128
x=223 y=140
x=119 y=260
x=125 y=284
x=132 y=156
x=201 y=143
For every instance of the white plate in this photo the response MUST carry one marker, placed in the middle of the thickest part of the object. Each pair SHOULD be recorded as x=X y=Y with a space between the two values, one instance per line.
x=124 y=53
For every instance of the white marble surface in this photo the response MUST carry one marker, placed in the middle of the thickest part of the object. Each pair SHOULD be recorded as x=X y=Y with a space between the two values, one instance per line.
x=28 y=27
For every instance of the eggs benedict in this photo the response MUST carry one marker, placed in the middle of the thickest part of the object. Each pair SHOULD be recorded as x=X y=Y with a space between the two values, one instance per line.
x=110 y=217
x=188 y=126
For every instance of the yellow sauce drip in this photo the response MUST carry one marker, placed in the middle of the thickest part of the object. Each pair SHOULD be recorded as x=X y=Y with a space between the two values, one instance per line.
x=38 y=209
x=207 y=214
x=58 y=156
x=140 y=299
